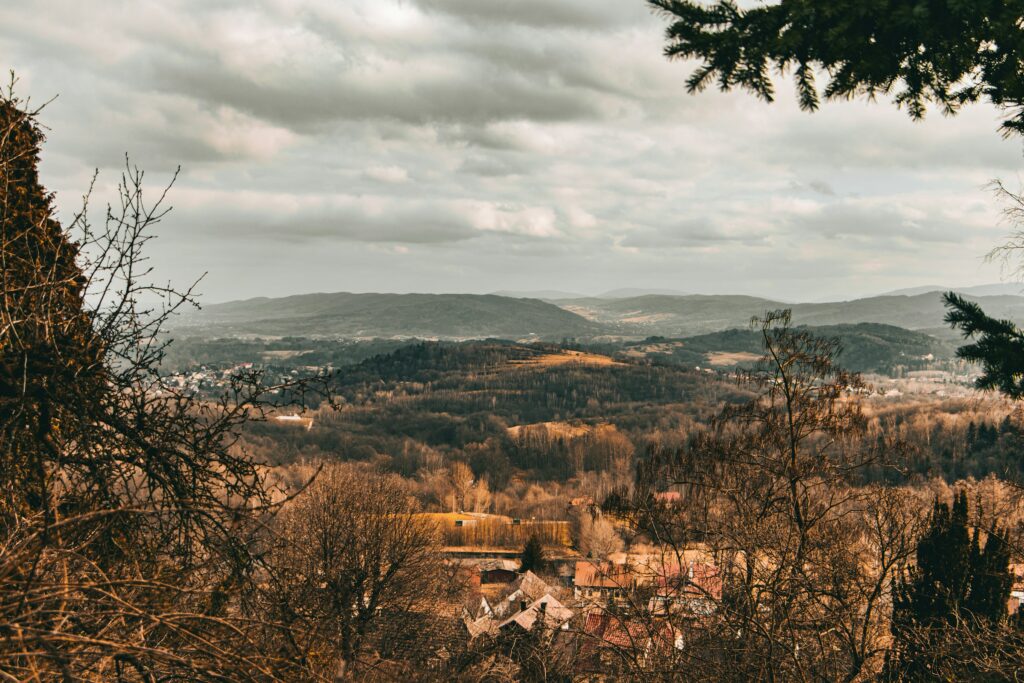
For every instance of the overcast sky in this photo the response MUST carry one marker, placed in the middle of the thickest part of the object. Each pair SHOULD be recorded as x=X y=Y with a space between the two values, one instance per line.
x=482 y=145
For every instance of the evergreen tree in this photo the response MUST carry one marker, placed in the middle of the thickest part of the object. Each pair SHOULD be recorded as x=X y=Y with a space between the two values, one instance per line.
x=941 y=52
x=991 y=578
x=1006 y=426
x=955 y=583
x=532 y=558
x=996 y=345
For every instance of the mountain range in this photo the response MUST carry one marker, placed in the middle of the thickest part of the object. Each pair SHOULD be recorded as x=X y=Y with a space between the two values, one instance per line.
x=465 y=316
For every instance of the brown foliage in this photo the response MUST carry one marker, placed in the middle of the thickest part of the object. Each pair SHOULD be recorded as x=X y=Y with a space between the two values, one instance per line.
x=125 y=511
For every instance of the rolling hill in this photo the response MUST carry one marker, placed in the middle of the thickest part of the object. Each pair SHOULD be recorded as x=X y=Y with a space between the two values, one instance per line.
x=865 y=347
x=996 y=289
x=683 y=316
x=473 y=316
x=446 y=316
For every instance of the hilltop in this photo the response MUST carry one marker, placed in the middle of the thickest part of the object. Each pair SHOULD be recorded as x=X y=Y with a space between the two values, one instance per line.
x=475 y=316
x=680 y=316
x=343 y=314
x=866 y=347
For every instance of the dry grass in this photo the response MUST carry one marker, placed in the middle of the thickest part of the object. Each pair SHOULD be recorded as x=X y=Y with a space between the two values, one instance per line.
x=562 y=430
x=646 y=318
x=284 y=354
x=725 y=358
x=567 y=358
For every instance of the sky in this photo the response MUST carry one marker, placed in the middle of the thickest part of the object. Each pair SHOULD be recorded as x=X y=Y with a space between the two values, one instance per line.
x=485 y=145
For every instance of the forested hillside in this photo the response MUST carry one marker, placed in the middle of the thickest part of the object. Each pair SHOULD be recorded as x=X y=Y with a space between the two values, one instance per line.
x=865 y=347
x=385 y=315
x=470 y=316
x=682 y=316
x=432 y=403
x=462 y=398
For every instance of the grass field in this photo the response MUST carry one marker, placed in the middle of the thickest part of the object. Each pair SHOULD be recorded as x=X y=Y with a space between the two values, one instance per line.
x=567 y=358
x=737 y=358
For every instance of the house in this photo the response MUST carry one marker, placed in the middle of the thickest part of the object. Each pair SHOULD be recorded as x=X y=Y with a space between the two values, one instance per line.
x=476 y=607
x=498 y=570
x=601 y=582
x=697 y=591
x=1016 y=589
x=527 y=587
x=607 y=640
x=547 y=612
x=523 y=604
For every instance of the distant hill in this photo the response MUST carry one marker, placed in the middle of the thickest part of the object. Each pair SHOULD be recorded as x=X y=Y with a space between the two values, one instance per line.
x=445 y=316
x=676 y=316
x=630 y=292
x=542 y=294
x=683 y=316
x=996 y=289
x=866 y=347
x=914 y=291
x=473 y=316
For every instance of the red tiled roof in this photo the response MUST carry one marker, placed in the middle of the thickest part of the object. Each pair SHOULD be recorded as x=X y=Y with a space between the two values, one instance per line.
x=602 y=629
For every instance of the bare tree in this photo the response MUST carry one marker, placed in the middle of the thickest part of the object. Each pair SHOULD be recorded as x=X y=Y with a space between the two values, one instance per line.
x=125 y=510
x=352 y=560
x=461 y=479
x=770 y=490
x=595 y=536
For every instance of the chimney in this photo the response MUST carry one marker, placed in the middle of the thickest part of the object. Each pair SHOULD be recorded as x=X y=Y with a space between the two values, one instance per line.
x=543 y=608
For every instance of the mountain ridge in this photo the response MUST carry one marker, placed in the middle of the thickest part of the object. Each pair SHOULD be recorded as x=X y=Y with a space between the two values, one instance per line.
x=347 y=314
x=466 y=316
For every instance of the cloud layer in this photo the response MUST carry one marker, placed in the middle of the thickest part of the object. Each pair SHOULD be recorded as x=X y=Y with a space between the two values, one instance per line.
x=479 y=145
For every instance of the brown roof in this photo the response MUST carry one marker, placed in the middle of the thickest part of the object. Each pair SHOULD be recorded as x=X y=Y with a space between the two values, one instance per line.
x=527 y=587
x=602 y=629
x=699 y=580
x=554 y=614
x=601 y=575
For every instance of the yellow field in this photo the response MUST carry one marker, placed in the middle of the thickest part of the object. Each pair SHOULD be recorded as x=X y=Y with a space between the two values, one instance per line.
x=567 y=358
x=556 y=429
x=449 y=518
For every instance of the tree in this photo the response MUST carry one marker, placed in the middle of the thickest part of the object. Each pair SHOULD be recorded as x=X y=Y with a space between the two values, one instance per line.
x=532 y=557
x=956 y=591
x=595 y=535
x=479 y=497
x=461 y=479
x=352 y=565
x=127 y=514
x=945 y=52
x=996 y=345
x=805 y=555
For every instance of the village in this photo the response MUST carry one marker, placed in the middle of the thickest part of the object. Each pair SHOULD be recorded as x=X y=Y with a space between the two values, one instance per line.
x=642 y=602
x=642 y=605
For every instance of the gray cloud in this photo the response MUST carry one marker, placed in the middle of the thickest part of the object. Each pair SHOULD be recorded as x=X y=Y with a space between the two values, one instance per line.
x=477 y=145
x=576 y=14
